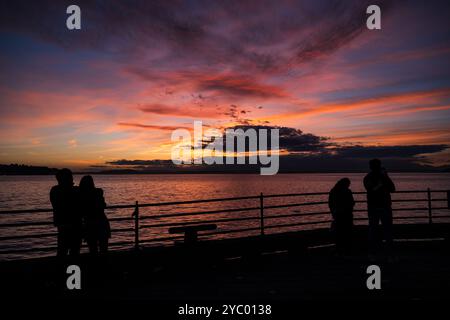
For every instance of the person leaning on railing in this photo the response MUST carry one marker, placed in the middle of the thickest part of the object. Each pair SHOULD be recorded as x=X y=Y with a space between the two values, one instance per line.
x=66 y=214
x=97 y=230
x=379 y=204
x=341 y=203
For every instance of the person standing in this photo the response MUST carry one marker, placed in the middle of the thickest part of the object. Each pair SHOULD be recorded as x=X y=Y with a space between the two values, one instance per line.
x=66 y=216
x=379 y=187
x=97 y=228
x=341 y=203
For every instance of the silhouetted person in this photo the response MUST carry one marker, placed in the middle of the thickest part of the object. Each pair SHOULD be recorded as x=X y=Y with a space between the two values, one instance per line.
x=341 y=203
x=379 y=187
x=66 y=217
x=97 y=228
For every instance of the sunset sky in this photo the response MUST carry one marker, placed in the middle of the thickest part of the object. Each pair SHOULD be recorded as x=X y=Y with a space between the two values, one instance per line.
x=137 y=70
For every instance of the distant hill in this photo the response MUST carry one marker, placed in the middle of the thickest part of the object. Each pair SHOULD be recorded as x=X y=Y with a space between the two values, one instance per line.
x=21 y=169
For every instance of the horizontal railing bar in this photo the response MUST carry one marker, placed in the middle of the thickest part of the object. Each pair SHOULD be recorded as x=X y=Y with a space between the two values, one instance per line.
x=356 y=192
x=410 y=217
x=120 y=206
x=184 y=214
x=157 y=204
x=121 y=243
x=295 y=194
x=29 y=236
x=295 y=215
x=55 y=248
x=295 y=205
x=161 y=239
x=230 y=231
x=395 y=209
x=405 y=200
x=409 y=209
x=418 y=191
x=296 y=224
x=398 y=200
x=123 y=230
x=406 y=209
x=26 y=224
x=408 y=200
x=121 y=219
x=185 y=223
x=53 y=234
x=48 y=223
x=396 y=218
x=47 y=210
x=13 y=251
x=25 y=211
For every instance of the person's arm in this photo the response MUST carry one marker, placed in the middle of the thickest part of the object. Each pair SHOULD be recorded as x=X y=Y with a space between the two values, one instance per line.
x=368 y=183
x=373 y=183
x=351 y=198
x=390 y=186
x=102 y=202
x=55 y=205
x=331 y=203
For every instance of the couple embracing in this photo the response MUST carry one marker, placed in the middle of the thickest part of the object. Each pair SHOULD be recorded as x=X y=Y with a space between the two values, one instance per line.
x=79 y=212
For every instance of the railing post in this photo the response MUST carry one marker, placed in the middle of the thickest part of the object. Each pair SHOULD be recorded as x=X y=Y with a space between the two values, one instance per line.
x=136 y=226
x=261 y=213
x=430 y=219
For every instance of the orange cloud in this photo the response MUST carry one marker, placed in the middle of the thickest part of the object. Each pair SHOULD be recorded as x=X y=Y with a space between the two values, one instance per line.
x=402 y=98
x=152 y=127
x=386 y=136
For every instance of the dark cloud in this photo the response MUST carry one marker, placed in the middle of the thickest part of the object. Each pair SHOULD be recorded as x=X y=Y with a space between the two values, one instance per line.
x=294 y=140
x=237 y=113
x=230 y=85
x=239 y=86
x=162 y=109
x=125 y=162
x=291 y=139
x=243 y=35
x=388 y=151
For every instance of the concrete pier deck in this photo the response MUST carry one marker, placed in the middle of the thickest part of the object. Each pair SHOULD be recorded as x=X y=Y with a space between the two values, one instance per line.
x=297 y=266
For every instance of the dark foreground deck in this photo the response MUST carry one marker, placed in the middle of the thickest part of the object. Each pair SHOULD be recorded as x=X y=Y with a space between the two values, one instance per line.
x=285 y=267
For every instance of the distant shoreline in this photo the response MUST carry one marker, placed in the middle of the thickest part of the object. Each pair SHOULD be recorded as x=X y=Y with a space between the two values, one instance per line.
x=204 y=173
x=20 y=170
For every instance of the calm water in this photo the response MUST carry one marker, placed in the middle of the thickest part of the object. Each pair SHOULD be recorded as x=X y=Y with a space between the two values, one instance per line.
x=28 y=192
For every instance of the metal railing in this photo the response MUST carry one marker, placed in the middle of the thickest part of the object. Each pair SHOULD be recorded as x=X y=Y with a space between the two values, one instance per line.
x=137 y=220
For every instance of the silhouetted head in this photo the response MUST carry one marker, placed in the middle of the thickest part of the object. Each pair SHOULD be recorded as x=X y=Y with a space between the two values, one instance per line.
x=64 y=177
x=342 y=184
x=87 y=183
x=375 y=165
